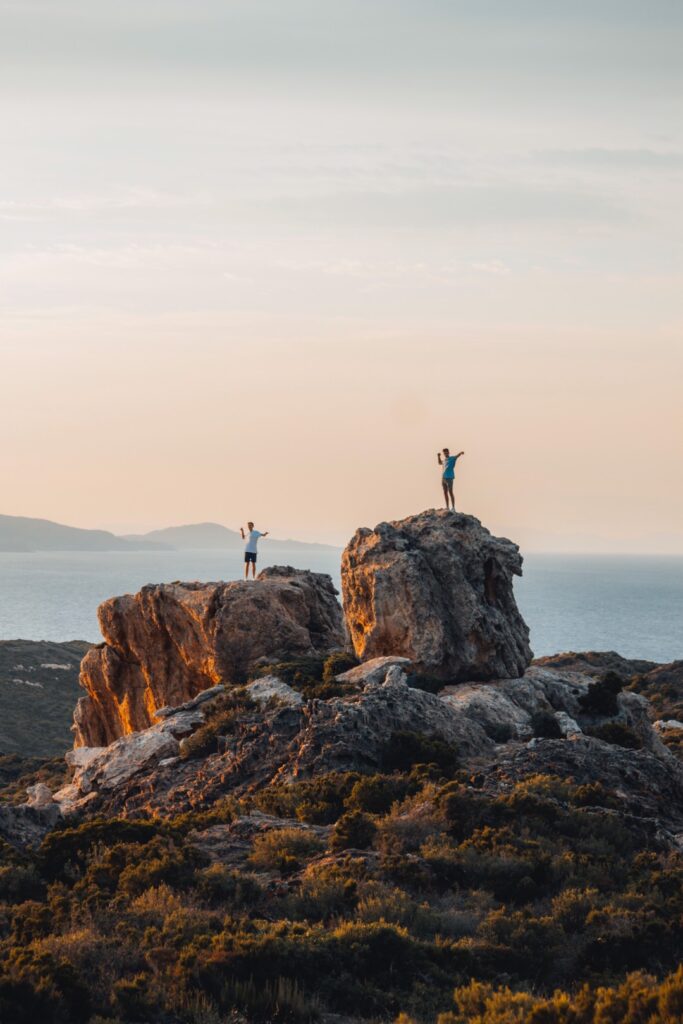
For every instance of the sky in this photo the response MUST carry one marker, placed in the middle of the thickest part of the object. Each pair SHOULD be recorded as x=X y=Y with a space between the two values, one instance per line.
x=262 y=260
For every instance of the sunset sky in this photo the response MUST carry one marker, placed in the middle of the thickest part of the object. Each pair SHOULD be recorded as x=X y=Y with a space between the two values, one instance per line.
x=261 y=259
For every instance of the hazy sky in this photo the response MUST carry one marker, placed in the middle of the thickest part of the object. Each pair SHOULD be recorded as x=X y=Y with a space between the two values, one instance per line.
x=263 y=258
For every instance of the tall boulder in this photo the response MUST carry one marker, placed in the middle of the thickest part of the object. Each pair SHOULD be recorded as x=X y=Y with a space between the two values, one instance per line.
x=436 y=588
x=172 y=640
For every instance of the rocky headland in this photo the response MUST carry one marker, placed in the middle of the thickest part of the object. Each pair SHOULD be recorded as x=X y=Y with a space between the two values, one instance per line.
x=402 y=766
x=428 y=612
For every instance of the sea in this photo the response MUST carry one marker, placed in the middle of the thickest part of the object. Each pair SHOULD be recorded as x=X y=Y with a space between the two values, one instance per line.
x=629 y=604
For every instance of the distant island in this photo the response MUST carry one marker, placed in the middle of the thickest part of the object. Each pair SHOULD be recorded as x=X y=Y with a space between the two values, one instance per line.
x=25 y=534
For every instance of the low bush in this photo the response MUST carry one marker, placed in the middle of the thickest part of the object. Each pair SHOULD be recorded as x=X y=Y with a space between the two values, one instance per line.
x=340 y=661
x=429 y=684
x=546 y=726
x=618 y=734
x=376 y=793
x=354 y=830
x=405 y=749
x=220 y=885
x=19 y=883
x=601 y=696
x=64 y=851
x=319 y=801
x=223 y=718
x=313 y=677
x=284 y=849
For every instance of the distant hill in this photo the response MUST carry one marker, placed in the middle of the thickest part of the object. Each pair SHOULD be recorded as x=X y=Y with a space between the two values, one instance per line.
x=193 y=536
x=21 y=533
x=213 y=536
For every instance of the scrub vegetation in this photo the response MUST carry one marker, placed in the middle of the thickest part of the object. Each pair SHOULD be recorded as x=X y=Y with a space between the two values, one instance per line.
x=410 y=894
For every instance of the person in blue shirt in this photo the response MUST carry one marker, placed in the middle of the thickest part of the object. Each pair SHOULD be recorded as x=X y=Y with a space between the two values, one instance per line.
x=447 y=462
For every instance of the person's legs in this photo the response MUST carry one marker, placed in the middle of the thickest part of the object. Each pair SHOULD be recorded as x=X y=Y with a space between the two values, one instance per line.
x=444 y=484
x=253 y=568
x=450 y=495
x=246 y=568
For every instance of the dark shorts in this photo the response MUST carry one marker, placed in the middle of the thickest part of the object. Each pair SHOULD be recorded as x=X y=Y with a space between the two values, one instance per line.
x=250 y=556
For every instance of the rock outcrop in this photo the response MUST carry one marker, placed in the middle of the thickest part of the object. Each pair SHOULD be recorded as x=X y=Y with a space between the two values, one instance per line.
x=485 y=724
x=436 y=588
x=100 y=772
x=169 y=642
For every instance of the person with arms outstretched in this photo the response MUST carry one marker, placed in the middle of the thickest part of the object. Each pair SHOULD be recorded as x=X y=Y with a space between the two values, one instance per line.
x=447 y=462
x=251 y=539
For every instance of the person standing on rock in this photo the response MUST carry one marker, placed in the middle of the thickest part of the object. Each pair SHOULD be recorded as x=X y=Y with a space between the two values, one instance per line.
x=447 y=462
x=250 y=548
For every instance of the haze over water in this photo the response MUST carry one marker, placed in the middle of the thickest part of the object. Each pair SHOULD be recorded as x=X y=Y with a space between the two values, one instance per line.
x=631 y=604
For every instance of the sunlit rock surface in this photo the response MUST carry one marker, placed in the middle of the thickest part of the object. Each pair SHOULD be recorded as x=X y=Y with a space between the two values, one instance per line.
x=169 y=642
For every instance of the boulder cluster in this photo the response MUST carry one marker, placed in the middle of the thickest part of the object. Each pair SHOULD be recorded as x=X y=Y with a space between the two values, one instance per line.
x=435 y=588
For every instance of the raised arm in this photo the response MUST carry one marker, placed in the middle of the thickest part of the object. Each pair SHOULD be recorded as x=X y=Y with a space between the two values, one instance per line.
x=242 y=532
x=438 y=455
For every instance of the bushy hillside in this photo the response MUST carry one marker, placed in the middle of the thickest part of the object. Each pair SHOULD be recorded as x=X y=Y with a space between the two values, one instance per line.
x=353 y=895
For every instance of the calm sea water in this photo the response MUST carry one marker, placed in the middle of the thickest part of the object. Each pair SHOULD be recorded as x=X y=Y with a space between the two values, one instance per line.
x=633 y=605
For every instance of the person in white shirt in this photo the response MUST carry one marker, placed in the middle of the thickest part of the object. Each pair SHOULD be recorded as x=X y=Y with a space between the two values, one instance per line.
x=251 y=538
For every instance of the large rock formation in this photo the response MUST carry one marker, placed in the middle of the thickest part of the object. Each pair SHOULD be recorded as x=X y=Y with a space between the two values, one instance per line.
x=437 y=588
x=170 y=641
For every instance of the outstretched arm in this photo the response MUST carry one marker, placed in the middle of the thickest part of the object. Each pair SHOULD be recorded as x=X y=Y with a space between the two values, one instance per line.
x=266 y=533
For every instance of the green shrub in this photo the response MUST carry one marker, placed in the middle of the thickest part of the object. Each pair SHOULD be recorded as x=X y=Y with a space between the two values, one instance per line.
x=429 y=684
x=376 y=793
x=354 y=830
x=19 y=883
x=223 y=718
x=618 y=734
x=601 y=696
x=219 y=885
x=340 y=661
x=593 y=794
x=132 y=997
x=64 y=851
x=282 y=999
x=545 y=725
x=318 y=801
x=311 y=677
x=285 y=849
x=499 y=732
x=326 y=890
x=405 y=749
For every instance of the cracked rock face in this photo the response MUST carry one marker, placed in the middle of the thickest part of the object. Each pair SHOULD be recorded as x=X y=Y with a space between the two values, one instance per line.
x=169 y=642
x=437 y=589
